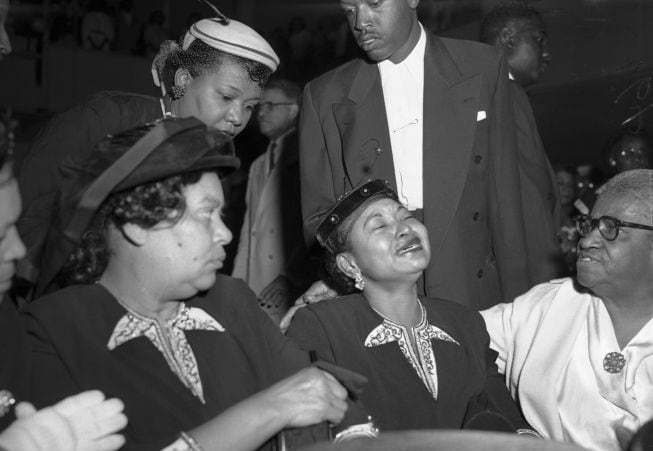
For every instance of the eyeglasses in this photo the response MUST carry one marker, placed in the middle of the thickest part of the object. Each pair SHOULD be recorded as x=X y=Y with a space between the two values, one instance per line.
x=607 y=225
x=268 y=106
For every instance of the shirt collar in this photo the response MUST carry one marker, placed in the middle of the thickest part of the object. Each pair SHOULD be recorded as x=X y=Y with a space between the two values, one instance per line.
x=414 y=62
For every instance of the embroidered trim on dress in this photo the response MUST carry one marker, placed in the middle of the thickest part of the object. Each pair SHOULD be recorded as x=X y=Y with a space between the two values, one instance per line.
x=423 y=362
x=169 y=338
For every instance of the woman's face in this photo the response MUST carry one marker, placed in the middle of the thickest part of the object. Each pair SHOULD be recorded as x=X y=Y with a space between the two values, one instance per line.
x=388 y=244
x=11 y=246
x=186 y=256
x=224 y=98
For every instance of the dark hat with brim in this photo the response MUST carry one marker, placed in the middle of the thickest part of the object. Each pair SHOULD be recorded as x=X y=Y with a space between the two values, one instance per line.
x=142 y=155
x=348 y=203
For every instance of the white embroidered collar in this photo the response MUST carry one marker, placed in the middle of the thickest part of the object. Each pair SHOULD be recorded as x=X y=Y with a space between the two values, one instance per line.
x=422 y=359
x=169 y=338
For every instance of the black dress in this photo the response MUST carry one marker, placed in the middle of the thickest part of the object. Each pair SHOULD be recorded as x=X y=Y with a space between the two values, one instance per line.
x=450 y=379
x=83 y=338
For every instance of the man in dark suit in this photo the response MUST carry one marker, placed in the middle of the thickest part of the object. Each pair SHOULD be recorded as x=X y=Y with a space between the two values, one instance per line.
x=518 y=31
x=432 y=117
x=272 y=258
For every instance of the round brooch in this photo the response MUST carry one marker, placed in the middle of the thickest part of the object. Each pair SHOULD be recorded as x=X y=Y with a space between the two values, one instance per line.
x=7 y=401
x=614 y=362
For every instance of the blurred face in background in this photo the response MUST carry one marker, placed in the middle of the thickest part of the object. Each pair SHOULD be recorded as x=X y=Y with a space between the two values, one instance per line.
x=566 y=186
x=11 y=246
x=5 y=45
x=277 y=113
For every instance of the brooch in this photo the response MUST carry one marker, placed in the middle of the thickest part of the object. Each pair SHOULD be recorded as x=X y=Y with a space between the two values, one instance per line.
x=614 y=362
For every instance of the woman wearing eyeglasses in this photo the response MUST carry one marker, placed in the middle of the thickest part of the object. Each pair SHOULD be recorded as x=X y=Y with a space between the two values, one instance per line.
x=578 y=354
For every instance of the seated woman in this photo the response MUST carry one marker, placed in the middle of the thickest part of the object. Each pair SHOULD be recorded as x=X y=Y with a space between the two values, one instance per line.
x=145 y=317
x=578 y=353
x=427 y=361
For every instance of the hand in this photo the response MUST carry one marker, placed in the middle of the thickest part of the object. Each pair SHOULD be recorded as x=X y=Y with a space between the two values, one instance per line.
x=317 y=292
x=308 y=397
x=277 y=294
x=84 y=422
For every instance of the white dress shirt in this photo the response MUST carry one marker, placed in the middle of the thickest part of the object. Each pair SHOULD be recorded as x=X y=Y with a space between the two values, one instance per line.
x=403 y=94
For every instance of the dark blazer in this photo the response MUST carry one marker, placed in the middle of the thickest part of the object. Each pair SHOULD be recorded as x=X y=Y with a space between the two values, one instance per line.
x=472 y=202
x=395 y=395
x=539 y=190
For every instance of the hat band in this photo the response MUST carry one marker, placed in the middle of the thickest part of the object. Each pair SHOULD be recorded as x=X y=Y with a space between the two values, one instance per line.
x=237 y=49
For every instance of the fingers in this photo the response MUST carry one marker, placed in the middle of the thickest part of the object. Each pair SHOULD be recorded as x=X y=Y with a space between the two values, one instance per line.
x=73 y=404
x=99 y=420
x=287 y=318
x=24 y=409
x=336 y=388
x=108 y=443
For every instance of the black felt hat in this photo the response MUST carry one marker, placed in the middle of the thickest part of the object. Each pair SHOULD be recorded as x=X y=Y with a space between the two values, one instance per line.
x=348 y=203
x=142 y=155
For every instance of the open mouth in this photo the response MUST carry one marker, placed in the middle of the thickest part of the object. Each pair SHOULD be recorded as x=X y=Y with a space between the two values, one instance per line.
x=412 y=245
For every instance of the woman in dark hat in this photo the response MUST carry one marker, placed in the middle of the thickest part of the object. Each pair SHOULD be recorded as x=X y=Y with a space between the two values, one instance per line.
x=145 y=317
x=428 y=361
x=216 y=73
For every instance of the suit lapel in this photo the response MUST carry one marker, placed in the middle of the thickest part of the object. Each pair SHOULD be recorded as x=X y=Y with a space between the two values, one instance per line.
x=363 y=127
x=451 y=104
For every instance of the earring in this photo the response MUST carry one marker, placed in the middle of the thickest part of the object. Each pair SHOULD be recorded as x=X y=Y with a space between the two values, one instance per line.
x=177 y=92
x=359 y=283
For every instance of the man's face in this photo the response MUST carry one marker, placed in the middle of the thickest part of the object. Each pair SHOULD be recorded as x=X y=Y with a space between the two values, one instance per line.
x=528 y=56
x=276 y=113
x=382 y=28
x=223 y=99
x=11 y=246
x=615 y=269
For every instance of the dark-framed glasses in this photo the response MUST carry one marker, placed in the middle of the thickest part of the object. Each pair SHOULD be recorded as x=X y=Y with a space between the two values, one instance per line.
x=607 y=225
x=269 y=106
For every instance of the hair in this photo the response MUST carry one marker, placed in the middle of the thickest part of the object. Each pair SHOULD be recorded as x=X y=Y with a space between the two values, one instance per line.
x=6 y=161
x=501 y=15
x=637 y=183
x=291 y=89
x=200 y=58
x=145 y=205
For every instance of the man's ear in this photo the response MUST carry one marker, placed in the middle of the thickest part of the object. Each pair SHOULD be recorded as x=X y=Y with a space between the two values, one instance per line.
x=345 y=263
x=507 y=37
x=182 y=77
x=134 y=233
x=294 y=112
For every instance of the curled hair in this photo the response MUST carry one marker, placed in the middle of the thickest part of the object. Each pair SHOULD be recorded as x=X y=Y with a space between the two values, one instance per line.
x=501 y=15
x=339 y=242
x=200 y=58
x=146 y=205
